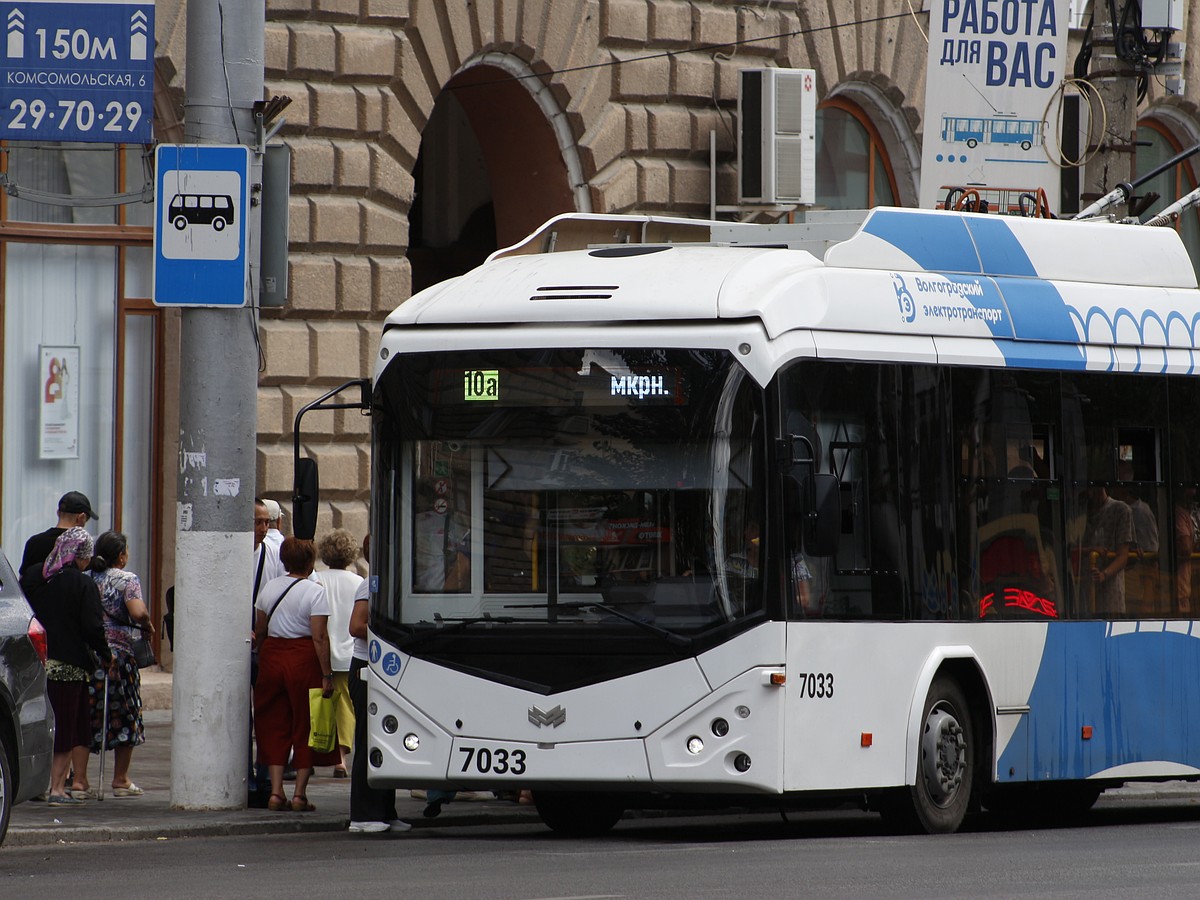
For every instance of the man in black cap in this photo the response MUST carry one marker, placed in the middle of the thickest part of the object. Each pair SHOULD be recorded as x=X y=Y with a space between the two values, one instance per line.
x=73 y=509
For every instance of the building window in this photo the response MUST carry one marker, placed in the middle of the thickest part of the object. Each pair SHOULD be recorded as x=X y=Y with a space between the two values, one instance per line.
x=853 y=169
x=1155 y=146
x=81 y=400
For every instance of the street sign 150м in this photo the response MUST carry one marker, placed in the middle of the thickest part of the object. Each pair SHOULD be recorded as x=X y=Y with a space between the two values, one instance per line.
x=77 y=71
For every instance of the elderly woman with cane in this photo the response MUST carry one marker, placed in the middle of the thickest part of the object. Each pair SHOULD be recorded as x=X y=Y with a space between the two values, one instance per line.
x=116 y=703
x=67 y=603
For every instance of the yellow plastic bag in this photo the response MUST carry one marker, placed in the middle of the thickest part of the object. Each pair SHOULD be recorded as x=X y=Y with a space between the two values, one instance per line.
x=322 y=723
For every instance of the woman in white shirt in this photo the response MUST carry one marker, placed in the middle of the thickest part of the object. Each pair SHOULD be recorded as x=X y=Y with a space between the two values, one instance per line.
x=339 y=551
x=291 y=632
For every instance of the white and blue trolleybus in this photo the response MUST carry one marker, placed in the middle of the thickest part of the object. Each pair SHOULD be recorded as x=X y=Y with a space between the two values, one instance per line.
x=900 y=511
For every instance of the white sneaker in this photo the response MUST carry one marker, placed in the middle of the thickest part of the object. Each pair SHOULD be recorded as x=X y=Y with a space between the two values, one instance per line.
x=368 y=827
x=397 y=825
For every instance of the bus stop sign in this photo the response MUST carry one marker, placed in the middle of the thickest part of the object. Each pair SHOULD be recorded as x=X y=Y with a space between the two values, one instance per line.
x=201 y=204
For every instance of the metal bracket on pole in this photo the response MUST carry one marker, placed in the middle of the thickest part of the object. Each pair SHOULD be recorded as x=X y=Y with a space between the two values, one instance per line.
x=265 y=113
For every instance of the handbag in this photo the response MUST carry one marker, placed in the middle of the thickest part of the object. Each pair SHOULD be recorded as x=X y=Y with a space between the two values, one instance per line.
x=143 y=652
x=141 y=646
x=322 y=727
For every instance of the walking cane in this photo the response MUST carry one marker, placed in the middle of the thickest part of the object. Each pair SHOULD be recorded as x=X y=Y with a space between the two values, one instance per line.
x=103 y=736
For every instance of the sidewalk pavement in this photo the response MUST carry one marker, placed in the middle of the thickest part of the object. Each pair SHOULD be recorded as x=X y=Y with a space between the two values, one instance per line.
x=150 y=816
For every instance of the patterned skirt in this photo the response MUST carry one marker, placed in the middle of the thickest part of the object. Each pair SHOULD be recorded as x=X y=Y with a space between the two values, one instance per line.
x=124 y=727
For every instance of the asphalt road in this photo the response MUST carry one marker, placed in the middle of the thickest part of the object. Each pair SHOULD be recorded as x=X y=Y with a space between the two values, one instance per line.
x=1125 y=850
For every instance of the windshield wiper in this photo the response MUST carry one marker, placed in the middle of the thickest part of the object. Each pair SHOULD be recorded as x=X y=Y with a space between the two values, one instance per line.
x=671 y=637
x=452 y=625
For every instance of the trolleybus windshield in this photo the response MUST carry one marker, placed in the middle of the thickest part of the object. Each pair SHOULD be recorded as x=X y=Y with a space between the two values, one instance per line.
x=601 y=489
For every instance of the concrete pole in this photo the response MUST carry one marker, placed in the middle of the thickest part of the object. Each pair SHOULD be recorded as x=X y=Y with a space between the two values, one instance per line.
x=217 y=437
x=1116 y=83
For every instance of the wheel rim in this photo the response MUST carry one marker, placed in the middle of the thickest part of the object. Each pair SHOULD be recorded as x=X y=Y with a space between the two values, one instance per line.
x=943 y=755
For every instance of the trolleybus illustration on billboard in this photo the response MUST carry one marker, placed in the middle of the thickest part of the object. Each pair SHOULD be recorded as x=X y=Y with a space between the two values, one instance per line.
x=976 y=130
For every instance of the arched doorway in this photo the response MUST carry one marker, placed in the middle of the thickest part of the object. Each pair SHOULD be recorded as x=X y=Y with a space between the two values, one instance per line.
x=496 y=161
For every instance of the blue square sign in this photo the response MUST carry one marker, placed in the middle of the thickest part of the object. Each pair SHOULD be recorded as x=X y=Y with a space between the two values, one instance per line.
x=201 y=207
x=77 y=71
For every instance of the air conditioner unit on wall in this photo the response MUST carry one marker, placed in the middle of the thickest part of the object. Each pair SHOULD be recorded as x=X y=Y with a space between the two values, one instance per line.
x=777 y=154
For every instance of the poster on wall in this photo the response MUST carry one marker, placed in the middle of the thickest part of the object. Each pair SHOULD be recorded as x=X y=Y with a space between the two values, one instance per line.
x=994 y=74
x=58 y=393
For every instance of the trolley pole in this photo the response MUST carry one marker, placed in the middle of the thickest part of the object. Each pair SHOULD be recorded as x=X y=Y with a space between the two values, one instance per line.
x=217 y=435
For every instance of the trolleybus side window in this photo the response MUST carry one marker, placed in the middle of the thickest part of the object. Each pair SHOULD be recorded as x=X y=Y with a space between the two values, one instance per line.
x=1009 y=493
x=1118 y=505
x=852 y=408
x=927 y=475
x=1184 y=541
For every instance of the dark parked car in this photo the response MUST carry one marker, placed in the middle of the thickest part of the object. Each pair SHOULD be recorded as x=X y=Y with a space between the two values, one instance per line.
x=26 y=720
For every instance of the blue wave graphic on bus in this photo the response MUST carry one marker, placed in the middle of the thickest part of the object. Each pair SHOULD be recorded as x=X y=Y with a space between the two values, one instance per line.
x=1119 y=686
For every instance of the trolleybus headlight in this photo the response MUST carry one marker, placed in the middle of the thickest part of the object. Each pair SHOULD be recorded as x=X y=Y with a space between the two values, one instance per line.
x=720 y=728
x=694 y=745
x=411 y=742
x=390 y=724
x=741 y=762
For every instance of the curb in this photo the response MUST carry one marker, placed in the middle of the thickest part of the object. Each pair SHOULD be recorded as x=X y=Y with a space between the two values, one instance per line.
x=96 y=834
x=225 y=826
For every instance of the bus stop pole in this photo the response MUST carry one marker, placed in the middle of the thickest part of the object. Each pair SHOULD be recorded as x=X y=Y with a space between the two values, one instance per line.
x=218 y=368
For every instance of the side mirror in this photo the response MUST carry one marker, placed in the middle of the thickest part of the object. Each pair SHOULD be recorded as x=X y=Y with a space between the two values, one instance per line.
x=305 y=483
x=305 y=491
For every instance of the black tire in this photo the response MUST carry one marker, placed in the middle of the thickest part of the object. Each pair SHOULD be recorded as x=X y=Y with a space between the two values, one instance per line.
x=179 y=222
x=6 y=788
x=972 y=143
x=218 y=224
x=578 y=813
x=945 y=760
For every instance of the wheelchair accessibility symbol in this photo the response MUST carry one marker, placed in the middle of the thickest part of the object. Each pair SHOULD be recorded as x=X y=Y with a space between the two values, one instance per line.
x=391 y=664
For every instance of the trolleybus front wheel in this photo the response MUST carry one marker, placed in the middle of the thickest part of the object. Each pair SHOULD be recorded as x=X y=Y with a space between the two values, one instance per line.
x=578 y=813
x=938 y=802
x=946 y=759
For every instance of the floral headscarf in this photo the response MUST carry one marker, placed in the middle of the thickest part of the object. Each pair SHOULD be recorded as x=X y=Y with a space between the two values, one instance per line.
x=71 y=544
